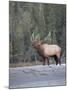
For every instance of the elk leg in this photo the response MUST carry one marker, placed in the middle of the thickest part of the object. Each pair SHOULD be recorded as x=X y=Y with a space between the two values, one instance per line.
x=59 y=57
x=44 y=59
x=48 y=60
x=59 y=61
x=56 y=59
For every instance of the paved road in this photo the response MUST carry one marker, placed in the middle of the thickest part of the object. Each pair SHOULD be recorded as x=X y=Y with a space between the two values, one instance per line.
x=35 y=76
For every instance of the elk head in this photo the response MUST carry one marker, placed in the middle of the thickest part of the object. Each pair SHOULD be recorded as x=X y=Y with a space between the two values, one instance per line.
x=35 y=39
x=36 y=44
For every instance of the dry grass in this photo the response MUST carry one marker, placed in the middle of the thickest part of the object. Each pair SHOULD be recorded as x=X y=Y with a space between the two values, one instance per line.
x=22 y=64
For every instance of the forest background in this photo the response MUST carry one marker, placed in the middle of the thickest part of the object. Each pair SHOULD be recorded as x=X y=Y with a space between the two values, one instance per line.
x=35 y=20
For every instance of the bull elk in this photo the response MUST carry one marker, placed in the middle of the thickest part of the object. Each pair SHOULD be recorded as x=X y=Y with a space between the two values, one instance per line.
x=47 y=50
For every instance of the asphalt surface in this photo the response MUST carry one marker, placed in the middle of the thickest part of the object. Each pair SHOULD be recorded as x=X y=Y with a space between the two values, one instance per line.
x=37 y=76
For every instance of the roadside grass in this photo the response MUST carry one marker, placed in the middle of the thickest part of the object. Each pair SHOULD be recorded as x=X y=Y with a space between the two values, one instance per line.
x=23 y=64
